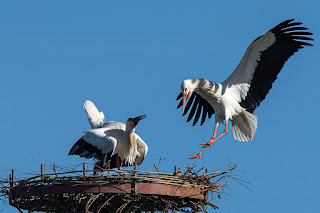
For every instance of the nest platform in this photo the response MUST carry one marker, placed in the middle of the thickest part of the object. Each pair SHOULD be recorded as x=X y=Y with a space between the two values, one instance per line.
x=115 y=191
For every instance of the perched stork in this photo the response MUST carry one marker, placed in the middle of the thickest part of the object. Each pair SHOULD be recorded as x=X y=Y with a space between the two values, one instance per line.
x=242 y=92
x=111 y=141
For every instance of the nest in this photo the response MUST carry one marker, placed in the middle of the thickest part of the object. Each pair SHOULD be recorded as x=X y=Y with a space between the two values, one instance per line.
x=116 y=191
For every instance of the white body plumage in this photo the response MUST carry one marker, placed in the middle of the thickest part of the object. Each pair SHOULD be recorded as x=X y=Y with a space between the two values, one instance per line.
x=242 y=92
x=111 y=138
x=225 y=103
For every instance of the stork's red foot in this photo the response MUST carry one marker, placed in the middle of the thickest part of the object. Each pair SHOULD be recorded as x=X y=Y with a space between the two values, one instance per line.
x=205 y=145
x=196 y=156
x=199 y=154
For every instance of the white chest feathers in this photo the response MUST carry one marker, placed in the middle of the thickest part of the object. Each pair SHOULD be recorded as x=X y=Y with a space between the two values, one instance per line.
x=127 y=148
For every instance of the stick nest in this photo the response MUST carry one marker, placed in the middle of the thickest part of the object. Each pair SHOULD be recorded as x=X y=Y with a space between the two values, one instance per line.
x=133 y=200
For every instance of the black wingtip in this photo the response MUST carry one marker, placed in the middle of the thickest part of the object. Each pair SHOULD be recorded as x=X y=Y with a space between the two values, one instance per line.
x=292 y=32
x=179 y=96
x=285 y=24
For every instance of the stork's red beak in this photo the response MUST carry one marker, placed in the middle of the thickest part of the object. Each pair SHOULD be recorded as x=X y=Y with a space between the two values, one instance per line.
x=184 y=102
x=185 y=97
x=137 y=119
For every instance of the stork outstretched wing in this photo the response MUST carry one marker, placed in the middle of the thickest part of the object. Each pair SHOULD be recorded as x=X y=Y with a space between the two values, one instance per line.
x=258 y=69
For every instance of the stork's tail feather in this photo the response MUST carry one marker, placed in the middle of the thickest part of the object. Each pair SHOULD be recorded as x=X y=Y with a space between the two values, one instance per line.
x=95 y=117
x=244 y=126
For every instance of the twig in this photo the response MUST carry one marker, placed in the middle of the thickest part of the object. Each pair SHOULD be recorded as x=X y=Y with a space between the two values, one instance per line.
x=105 y=203
x=122 y=207
x=91 y=201
x=19 y=209
x=54 y=169
x=157 y=167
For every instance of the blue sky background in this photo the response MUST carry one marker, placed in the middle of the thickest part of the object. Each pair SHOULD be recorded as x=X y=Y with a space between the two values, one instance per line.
x=130 y=58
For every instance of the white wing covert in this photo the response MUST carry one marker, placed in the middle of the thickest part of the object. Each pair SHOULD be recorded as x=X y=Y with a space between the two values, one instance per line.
x=97 y=138
x=113 y=125
x=239 y=81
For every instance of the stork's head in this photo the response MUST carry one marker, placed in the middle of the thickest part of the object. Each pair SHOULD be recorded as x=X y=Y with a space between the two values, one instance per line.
x=133 y=121
x=187 y=88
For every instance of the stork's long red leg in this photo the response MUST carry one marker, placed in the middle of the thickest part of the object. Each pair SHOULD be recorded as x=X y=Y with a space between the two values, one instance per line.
x=118 y=162
x=207 y=144
x=109 y=168
x=213 y=139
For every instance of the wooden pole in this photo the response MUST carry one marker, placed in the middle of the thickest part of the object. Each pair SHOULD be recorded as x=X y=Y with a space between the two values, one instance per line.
x=133 y=184
x=109 y=168
x=10 y=180
x=41 y=170
x=206 y=194
x=84 y=170
x=12 y=177
x=175 y=170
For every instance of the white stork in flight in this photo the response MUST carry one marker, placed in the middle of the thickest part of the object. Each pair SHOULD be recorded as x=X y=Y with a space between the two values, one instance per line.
x=110 y=141
x=241 y=93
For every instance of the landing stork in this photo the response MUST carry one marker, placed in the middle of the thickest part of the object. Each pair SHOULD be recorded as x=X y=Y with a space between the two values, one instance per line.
x=241 y=93
x=111 y=141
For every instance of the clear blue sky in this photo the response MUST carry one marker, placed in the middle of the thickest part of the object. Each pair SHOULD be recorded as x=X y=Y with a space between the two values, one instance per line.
x=130 y=58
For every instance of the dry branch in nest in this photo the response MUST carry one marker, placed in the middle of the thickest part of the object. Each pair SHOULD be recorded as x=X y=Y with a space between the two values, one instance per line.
x=117 y=191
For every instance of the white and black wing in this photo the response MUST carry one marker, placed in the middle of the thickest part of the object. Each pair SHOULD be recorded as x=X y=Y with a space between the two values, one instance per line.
x=95 y=144
x=263 y=60
x=200 y=108
x=95 y=117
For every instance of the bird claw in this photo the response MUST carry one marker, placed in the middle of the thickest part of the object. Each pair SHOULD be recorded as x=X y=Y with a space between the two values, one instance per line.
x=211 y=141
x=206 y=144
